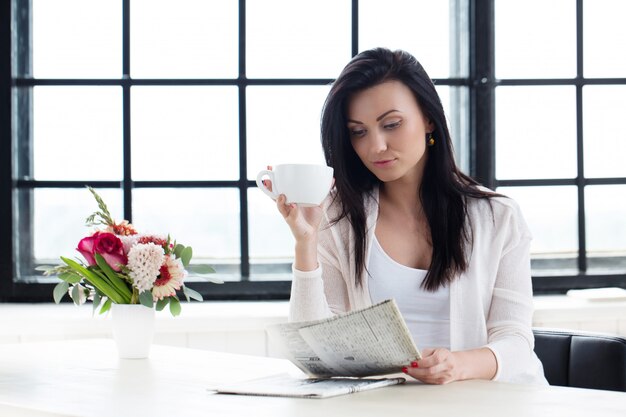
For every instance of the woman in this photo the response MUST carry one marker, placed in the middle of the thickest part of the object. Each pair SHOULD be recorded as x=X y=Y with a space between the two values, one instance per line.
x=403 y=222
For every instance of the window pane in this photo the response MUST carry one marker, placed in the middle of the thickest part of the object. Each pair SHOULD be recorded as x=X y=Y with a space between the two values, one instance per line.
x=185 y=133
x=535 y=39
x=604 y=108
x=605 y=206
x=205 y=219
x=291 y=39
x=552 y=216
x=184 y=39
x=535 y=132
x=271 y=241
x=77 y=39
x=73 y=127
x=59 y=219
x=455 y=102
x=284 y=125
x=604 y=37
x=420 y=27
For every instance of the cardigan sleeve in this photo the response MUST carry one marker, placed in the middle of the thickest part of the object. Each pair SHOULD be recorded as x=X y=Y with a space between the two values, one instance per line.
x=320 y=293
x=509 y=321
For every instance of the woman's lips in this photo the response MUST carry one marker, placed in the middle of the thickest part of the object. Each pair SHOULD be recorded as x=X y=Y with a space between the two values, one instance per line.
x=383 y=163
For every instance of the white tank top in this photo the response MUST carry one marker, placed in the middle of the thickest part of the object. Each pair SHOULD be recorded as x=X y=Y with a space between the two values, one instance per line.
x=427 y=314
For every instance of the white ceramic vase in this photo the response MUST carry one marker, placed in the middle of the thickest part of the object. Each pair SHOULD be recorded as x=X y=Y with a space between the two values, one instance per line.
x=133 y=330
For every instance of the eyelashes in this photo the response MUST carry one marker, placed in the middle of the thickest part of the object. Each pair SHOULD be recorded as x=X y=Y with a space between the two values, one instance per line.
x=391 y=126
x=362 y=132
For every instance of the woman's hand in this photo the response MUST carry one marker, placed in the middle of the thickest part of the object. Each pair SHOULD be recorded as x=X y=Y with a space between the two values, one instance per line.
x=437 y=366
x=303 y=221
x=440 y=366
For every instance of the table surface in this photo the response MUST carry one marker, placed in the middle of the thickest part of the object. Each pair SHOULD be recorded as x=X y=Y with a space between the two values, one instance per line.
x=85 y=378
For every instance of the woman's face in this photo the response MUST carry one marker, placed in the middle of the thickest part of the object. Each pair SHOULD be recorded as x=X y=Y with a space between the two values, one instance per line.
x=388 y=131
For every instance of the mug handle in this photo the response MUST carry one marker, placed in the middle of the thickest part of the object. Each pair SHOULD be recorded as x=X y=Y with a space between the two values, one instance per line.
x=259 y=183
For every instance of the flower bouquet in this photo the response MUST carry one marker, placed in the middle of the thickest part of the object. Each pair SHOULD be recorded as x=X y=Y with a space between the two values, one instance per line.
x=125 y=267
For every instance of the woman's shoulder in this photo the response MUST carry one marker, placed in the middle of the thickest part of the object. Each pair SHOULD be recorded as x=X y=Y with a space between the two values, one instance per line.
x=496 y=210
x=497 y=203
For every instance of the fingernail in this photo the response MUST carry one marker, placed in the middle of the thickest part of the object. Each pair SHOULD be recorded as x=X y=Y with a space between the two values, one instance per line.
x=405 y=369
x=414 y=365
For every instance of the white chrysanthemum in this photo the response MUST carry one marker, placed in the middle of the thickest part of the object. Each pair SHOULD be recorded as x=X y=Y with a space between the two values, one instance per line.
x=144 y=262
x=171 y=279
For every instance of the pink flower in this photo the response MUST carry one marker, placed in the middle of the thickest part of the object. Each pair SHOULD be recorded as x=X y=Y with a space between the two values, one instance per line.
x=172 y=274
x=108 y=245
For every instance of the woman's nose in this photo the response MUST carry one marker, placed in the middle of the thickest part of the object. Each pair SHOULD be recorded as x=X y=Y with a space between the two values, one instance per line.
x=379 y=143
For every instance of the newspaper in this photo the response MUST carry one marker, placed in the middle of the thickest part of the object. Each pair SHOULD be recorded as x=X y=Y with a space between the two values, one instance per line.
x=371 y=341
x=284 y=385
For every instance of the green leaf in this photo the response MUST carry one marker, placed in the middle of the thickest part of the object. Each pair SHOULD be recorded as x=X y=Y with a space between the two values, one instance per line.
x=59 y=291
x=175 y=307
x=76 y=294
x=106 y=306
x=201 y=269
x=44 y=268
x=70 y=277
x=178 y=250
x=167 y=248
x=104 y=287
x=186 y=255
x=145 y=298
x=162 y=303
x=189 y=293
x=96 y=302
x=119 y=285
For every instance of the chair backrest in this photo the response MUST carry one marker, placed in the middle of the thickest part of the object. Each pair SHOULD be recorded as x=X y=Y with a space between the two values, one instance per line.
x=582 y=359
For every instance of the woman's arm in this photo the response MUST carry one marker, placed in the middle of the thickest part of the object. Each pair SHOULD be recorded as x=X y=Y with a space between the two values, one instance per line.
x=440 y=366
x=317 y=289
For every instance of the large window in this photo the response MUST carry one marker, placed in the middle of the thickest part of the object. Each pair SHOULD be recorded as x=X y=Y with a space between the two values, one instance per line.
x=559 y=138
x=170 y=108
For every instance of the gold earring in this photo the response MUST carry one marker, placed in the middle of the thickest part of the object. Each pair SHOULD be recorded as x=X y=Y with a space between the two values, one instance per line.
x=430 y=139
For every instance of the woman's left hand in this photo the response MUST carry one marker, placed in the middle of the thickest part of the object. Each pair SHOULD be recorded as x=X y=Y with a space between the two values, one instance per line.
x=437 y=366
x=440 y=366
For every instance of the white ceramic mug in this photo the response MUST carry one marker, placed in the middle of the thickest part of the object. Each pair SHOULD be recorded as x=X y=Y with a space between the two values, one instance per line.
x=304 y=184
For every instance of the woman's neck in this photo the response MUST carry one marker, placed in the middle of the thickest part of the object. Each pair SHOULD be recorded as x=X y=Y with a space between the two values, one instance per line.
x=401 y=198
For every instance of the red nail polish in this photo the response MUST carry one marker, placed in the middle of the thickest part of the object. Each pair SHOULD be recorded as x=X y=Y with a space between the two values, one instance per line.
x=414 y=365
x=405 y=369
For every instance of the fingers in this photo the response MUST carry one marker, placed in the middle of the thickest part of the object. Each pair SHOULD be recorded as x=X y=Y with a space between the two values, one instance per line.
x=284 y=208
x=435 y=367
x=267 y=184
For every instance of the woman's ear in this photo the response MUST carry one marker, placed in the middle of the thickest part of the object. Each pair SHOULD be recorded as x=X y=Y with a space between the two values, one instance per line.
x=430 y=126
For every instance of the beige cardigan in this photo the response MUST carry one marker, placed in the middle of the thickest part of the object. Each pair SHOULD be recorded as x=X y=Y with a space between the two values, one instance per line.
x=490 y=304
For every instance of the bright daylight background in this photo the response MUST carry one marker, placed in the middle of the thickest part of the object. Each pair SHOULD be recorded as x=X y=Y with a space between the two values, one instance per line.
x=191 y=133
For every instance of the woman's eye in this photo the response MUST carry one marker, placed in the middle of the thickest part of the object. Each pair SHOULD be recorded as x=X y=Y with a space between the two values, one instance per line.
x=393 y=125
x=357 y=132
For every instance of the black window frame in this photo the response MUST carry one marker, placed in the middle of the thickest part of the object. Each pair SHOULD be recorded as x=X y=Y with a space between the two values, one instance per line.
x=480 y=82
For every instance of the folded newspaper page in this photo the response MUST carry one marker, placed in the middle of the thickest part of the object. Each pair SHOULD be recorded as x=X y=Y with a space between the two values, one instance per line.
x=285 y=385
x=371 y=341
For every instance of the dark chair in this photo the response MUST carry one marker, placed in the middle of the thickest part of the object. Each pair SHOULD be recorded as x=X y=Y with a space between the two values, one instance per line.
x=582 y=359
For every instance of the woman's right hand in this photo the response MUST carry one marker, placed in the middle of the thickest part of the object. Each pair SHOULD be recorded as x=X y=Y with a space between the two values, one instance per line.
x=304 y=222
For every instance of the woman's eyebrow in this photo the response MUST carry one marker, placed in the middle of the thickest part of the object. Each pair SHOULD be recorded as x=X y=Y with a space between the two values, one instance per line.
x=385 y=114
x=377 y=119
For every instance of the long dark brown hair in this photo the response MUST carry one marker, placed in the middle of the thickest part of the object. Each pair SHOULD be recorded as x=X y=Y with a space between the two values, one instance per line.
x=444 y=189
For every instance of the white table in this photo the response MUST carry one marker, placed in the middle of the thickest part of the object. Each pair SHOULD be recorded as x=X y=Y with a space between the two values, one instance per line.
x=85 y=378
